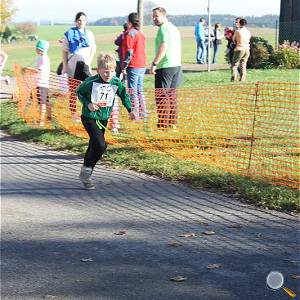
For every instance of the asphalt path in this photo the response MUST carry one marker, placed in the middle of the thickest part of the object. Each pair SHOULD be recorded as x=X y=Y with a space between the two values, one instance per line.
x=122 y=240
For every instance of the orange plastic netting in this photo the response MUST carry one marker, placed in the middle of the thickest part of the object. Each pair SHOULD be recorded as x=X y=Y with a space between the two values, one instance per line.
x=251 y=129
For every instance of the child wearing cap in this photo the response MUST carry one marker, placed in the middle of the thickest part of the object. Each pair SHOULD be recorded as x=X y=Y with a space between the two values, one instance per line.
x=43 y=67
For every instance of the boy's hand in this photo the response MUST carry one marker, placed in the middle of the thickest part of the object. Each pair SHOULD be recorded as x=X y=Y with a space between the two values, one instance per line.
x=93 y=107
x=131 y=115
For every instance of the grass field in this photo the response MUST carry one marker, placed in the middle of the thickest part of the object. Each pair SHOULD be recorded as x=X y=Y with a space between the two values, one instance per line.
x=23 y=52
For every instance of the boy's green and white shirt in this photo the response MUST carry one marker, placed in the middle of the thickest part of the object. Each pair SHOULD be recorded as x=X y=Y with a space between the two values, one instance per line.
x=95 y=90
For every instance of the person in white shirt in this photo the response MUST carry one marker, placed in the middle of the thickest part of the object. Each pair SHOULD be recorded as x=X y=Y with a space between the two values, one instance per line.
x=79 y=48
x=241 y=39
x=218 y=36
x=43 y=68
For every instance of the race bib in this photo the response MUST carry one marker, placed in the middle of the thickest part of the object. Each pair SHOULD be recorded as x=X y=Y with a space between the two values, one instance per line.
x=103 y=94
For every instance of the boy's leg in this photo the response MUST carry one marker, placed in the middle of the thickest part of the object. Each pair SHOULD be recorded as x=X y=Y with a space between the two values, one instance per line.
x=42 y=95
x=94 y=152
x=115 y=125
x=97 y=144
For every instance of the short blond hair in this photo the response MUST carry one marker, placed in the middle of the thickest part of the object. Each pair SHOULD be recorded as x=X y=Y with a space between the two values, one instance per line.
x=160 y=9
x=106 y=61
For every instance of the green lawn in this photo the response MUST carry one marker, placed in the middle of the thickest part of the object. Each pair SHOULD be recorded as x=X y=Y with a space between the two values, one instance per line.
x=23 y=52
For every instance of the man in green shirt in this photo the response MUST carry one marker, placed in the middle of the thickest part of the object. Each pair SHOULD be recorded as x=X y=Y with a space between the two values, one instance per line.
x=166 y=66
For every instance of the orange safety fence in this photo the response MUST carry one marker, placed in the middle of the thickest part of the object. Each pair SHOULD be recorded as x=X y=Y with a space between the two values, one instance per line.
x=250 y=129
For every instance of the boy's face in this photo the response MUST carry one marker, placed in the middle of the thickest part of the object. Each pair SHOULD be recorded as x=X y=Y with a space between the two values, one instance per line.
x=106 y=73
x=38 y=51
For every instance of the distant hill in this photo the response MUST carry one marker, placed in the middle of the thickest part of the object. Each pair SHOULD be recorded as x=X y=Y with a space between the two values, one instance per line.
x=268 y=21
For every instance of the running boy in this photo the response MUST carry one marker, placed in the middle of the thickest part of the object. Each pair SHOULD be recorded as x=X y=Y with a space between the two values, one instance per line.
x=97 y=95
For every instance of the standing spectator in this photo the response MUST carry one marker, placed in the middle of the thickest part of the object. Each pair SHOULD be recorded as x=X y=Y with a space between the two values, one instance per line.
x=217 y=41
x=200 y=40
x=134 y=66
x=43 y=68
x=241 y=39
x=208 y=40
x=229 y=32
x=119 y=41
x=113 y=122
x=166 y=66
x=78 y=51
x=97 y=95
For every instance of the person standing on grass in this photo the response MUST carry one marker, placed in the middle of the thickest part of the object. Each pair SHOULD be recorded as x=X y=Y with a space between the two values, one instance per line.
x=166 y=67
x=218 y=36
x=229 y=32
x=119 y=41
x=79 y=48
x=43 y=68
x=241 y=39
x=200 y=40
x=134 y=65
x=97 y=95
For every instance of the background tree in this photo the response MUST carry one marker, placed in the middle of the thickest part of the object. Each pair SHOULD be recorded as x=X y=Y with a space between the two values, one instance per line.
x=26 y=28
x=148 y=5
x=7 y=10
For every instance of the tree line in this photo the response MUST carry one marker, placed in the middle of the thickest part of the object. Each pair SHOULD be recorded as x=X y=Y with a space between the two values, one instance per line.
x=267 y=21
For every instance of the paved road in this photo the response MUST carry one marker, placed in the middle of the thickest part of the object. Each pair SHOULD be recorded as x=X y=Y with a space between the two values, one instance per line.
x=59 y=241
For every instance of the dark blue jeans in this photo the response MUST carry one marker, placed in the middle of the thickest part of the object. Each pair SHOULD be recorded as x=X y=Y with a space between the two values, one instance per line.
x=216 y=52
x=201 y=52
x=135 y=79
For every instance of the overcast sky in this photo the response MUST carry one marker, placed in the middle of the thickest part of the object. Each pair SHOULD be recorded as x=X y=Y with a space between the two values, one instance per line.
x=65 y=10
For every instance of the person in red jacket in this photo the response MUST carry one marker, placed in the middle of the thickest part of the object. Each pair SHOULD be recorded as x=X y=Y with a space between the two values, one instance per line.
x=134 y=65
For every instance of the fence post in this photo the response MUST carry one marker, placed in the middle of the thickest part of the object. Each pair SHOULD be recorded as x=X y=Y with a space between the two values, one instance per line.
x=253 y=125
x=276 y=34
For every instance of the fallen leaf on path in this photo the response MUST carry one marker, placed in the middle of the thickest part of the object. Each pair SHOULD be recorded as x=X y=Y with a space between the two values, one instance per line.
x=86 y=259
x=189 y=234
x=178 y=278
x=203 y=223
x=175 y=244
x=50 y=297
x=295 y=276
x=234 y=226
x=121 y=232
x=291 y=261
x=213 y=266
x=208 y=232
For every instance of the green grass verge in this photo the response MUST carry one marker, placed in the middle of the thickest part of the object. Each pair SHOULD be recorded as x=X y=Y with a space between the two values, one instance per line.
x=196 y=175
